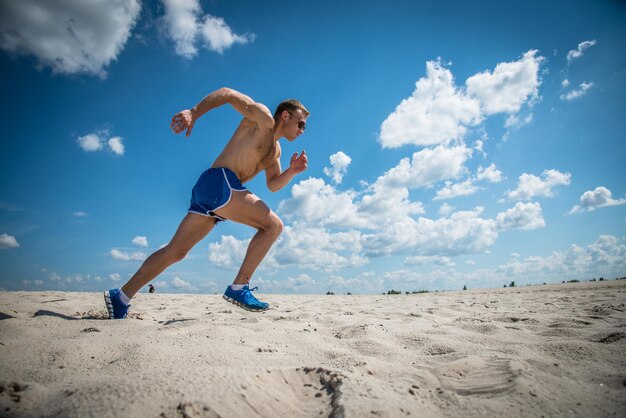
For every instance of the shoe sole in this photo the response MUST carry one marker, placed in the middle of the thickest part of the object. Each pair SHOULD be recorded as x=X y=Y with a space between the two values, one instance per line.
x=107 y=301
x=241 y=305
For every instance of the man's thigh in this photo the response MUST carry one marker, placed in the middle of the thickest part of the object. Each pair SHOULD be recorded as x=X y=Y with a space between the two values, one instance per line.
x=248 y=209
x=191 y=230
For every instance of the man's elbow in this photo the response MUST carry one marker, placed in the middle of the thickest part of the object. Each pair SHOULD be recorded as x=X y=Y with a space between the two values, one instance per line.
x=273 y=186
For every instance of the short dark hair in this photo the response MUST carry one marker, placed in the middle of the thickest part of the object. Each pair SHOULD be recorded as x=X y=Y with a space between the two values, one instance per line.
x=291 y=104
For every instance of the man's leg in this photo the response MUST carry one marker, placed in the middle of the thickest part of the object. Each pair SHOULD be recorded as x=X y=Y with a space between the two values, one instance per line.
x=192 y=229
x=246 y=208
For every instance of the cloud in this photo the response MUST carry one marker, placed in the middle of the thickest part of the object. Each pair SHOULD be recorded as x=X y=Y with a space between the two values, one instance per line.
x=439 y=112
x=119 y=255
x=229 y=252
x=8 y=241
x=524 y=216
x=581 y=91
x=140 y=241
x=115 y=277
x=97 y=141
x=70 y=37
x=436 y=260
x=464 y=232
x=179 y=283
x=606 y=257
x=490 y=174
x=578 y=52
x=303 y=283
x=451 y=190
x=218 y=36
x=115 y=145
x=339 y=166
x=186 y=27
x=436 y=113
x=509 y=86
x=80 y=214
x=425 y=168
x=598 y=198
x=300 y=245
x=565 y=83
x=530 y=186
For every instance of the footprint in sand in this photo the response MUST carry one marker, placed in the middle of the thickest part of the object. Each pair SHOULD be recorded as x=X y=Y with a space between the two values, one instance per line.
x=308 y=391
x=477 y=376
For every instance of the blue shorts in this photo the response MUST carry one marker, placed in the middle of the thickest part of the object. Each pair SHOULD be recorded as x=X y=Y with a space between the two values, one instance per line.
x=213 y=191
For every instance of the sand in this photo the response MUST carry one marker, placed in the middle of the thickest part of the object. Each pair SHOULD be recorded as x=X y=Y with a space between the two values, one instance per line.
x=552 y=350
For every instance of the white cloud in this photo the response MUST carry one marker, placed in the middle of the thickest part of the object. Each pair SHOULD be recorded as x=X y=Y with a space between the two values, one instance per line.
x=445 y=209
x=451 y=190
x=426 y=168
x=597 y=198
x=116 y=145
x=8 y=241
x=79 y=214
x=229 y=252
x=54 y=277
x=218 y=36
x=301 y=246
x=120 y=255
x=515 y=121
x=581 y=91
x=31 y=282
x=179 y=283
x=301 y=284
x=436 y=260
x=509 y=86
x=436 y=113
x=578 y=52
x=606 y=257
x=530 y=185
x=339 y=166
x=181 y=18
x=71 y=36
x=524 y=216
x=186 y=27
x=140 y=241
x=115 y=277
x=565 y=83
x=96 y=141
x=490 y=174
x=90 y=142
x=464 y=232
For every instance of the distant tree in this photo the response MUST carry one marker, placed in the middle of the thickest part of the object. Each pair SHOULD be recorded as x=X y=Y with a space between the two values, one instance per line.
x=394 y=292
x=512 y=284
x=465 y=287
x=504 y=285
x=349 y=293
x=329 y=293
x=601 y=279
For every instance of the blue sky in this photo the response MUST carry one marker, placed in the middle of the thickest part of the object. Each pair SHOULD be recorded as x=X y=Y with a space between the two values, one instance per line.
x=449 y=144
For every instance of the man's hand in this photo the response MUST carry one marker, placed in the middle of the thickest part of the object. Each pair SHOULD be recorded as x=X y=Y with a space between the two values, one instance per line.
x=183 y=120
x=299 y=163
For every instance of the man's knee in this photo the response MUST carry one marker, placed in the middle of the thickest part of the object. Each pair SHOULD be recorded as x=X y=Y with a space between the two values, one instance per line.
x=274 y=225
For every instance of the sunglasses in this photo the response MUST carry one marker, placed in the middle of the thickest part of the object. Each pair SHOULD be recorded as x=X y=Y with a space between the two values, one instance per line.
x=301 y=123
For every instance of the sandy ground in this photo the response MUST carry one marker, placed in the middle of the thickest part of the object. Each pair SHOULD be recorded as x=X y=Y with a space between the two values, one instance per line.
x=552 y=350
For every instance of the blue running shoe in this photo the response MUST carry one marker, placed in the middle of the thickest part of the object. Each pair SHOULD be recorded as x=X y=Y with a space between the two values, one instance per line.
x=245 y=299
x=117 y=309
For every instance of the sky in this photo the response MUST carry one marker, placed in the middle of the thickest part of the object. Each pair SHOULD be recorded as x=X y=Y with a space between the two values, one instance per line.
x=450 y=144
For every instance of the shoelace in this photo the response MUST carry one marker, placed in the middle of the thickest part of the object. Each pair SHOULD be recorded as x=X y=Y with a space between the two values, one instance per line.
x=250 y=295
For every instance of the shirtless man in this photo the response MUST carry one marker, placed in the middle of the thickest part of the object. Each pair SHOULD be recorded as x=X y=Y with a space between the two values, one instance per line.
x=219 y=193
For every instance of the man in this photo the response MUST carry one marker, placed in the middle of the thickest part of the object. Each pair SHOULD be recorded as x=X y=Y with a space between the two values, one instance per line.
x=219 y=193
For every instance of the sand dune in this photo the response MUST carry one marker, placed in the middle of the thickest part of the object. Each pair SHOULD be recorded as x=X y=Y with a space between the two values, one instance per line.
x=554 y=350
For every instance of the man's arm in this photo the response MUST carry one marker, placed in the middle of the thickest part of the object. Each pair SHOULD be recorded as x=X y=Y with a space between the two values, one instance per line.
x=250 y=109
x=277 y=180
x=255 y=112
